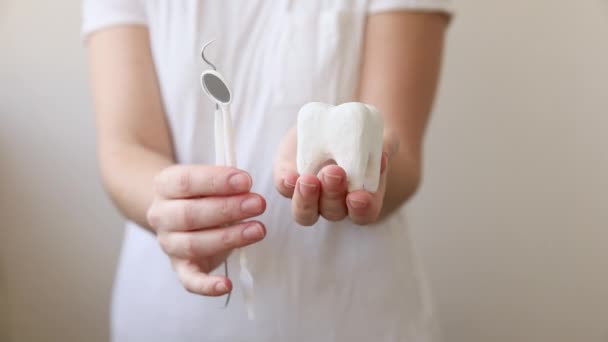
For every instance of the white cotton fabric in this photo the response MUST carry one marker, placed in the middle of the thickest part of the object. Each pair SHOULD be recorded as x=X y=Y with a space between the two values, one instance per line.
x=329 y=282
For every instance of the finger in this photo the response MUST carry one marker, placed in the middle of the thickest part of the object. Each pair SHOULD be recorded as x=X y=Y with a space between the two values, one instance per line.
x=332 y=204
x=211 y=242
x=364 y=207
x=186 y=181
x=285 y=182
x=285 y=173
x=200 y=283
x=199 y=213
x=305 y=201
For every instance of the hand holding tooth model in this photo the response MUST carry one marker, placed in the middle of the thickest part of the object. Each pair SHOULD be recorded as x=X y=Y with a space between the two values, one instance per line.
x=349 y=134
x=345 y=146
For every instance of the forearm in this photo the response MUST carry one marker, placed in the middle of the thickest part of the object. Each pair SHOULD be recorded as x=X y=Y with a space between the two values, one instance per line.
x=128 y=171
x=401 y=63
x=134 y=141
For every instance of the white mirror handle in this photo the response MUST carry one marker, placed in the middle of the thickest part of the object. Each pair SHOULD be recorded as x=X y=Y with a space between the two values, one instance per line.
x=229 y=153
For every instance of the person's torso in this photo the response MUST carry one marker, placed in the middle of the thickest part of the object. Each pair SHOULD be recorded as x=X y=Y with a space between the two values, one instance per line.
x=327 y=282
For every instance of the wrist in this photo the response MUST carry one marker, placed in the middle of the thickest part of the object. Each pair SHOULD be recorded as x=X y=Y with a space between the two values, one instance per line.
x=403 y=180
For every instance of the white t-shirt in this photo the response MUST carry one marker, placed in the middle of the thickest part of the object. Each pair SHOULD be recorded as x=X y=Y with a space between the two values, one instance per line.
x=330 y=282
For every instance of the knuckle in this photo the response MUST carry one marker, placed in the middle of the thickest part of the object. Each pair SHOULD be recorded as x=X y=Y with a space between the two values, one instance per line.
x=164 y=242
x=188 y=213
x=227 y=209
x=153 y=217
x=184 y=181
x=305 y=206
x=189 y=247
x=228 y=238
x=305 y=213
x=214 y=183
x=333 y=194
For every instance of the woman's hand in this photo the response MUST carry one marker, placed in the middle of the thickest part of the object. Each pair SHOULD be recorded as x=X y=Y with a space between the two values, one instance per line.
x=197 y=214
x=326 y=194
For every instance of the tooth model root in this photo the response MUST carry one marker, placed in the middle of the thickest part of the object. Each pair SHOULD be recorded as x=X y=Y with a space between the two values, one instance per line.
x=350 y=135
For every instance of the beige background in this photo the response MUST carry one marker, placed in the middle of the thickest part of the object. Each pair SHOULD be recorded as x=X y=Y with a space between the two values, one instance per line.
x=511 y=219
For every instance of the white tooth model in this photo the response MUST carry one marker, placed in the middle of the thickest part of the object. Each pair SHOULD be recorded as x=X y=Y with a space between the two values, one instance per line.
x=350 y=134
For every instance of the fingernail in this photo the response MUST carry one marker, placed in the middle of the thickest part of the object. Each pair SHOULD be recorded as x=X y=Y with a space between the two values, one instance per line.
x=308 y=189
x=251 y=205
x=221 y=287
x=332 y=180
x=288 y=184
x=357 y=204
x=253 y=232
x=240 y=181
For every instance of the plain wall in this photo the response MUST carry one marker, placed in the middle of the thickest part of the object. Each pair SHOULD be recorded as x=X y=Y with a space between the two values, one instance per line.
x=511 y=219
x=60 y=235
x=4 y=333
x=513 y=215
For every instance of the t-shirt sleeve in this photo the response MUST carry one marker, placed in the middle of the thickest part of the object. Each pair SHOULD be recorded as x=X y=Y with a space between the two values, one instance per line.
x=444 y=6
x=100 y=14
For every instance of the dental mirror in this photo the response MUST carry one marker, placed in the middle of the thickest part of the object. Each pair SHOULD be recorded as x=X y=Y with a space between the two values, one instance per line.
x=215 y=87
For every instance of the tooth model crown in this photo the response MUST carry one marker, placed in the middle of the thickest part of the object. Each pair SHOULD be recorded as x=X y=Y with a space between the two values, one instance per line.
x=350 y=134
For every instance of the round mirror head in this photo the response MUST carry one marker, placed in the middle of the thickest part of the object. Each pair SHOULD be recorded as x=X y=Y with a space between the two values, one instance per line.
x=215 y=87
